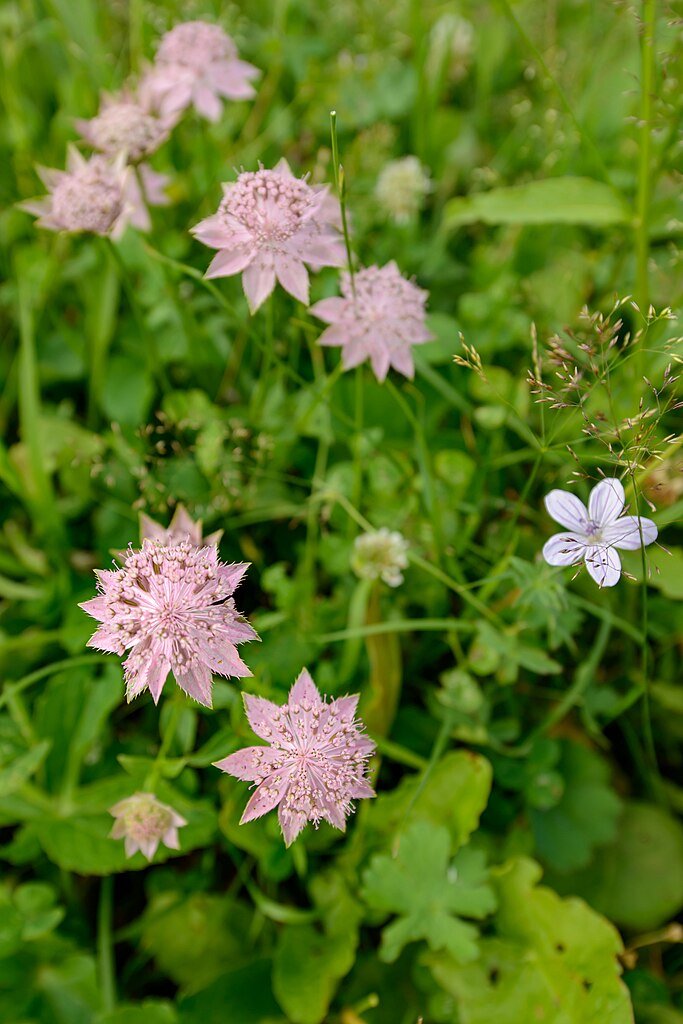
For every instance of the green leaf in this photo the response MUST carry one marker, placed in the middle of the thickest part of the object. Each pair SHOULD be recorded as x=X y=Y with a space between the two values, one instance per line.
x=550 y=960
x=151 y=1011
x=242 y=995
x=22 y=768
x=429 y=893
x=585 y=816
x=565 y=200
x=308 y=966
x=637 y=880
x=455 y=794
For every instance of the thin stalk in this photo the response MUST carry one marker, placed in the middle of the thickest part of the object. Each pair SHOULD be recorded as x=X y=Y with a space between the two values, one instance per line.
x=147 y=338
x=440 y=744
x=105 y=945
x=12 y=689
x=154 y=774
x=644 y=192
x=340 y=186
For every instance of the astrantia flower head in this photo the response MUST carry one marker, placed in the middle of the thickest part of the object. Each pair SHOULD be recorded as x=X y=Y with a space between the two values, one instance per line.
x=381 y=554
x=380 y=322
x=269 y=225
x=595 y=532
x=144 y=822
x=196 y=64
x=90 y=196
x=182 y=527
x=171 y=607
x=124 y=125
x=401 y=188
x=315 y=765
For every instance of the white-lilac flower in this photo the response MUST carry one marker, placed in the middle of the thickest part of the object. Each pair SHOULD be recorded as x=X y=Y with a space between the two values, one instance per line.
x=382 y=554
x=143 y=822
x=125 y=124
x=182 y=527
x=595 y=533
x=268 y=226
x=315 y=764
x=171 y=606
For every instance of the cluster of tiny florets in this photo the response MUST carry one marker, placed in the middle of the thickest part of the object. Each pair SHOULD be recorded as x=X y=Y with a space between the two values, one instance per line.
x=270 y=204
x=125 y=126
x=402 y=187
x=195 y=44
x=143 y=822
x=382 y=554
x=379 y=317
x=171 y=606
x=87 y=198
x=316 y=761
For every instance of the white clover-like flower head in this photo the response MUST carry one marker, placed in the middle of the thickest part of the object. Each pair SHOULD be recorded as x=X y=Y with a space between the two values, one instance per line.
x=382 y=554
x=402 y=187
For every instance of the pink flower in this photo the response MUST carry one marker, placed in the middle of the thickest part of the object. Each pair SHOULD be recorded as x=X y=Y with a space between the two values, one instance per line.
x=145 y=187
x=268 y=225
x=196 y=64
x=171 y=606
x=315 y=764
x=381 y=322
x=124 y=124
x=595 y=532
x=90 y=195
x=144 y=822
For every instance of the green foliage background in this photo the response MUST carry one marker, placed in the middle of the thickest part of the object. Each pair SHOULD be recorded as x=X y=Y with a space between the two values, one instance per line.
x=523 y=860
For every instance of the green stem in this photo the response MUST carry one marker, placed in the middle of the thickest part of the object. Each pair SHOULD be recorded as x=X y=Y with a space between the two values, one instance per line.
x=154 y=774
x=11 y=689
x=148 y=340
x=440 y=744
x=340 y=185
x=644 y=192
x=105 y=948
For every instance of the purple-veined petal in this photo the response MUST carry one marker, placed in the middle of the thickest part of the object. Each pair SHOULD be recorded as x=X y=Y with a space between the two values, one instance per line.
x=304 y=690
x=564 y=549
x=567 y=510
x=606 y=502
x=196 y=682
x=264 y=717
x=267 y=796
x=625 y=534
x=291 y=823
x=604 y=565
x=249 y=764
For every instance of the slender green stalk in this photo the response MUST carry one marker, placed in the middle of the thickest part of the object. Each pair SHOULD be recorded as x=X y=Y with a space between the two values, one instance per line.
x=105 y=946
x=440 y=744
x=157 y=768
x=148 y=341
x=340 y=185
x=644 y=192
x=11 y=689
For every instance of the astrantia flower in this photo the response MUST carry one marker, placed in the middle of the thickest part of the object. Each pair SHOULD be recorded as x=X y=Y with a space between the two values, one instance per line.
x=269 y=225
x=90 y=195
x=196 y=64
x=401 y=188
x=595 y=532
x=171 y=607
x=381 y=322
x=182 y=527
x=145 y=187
x=144 y=822
x=315 y=764
x=123 y=124
x=380 y=555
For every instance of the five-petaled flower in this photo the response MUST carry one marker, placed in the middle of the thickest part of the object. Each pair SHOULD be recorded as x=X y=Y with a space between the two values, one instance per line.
x=595 y=532
x=196 y=64
x=144 y=822
x=379 y=317
x=315 y=765
x=171 y=606
x=268 y=226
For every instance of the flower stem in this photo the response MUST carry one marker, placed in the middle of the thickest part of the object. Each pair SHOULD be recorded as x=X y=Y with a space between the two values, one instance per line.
x=105 y=949
x=340 y=185
x=644 y=192
x=169 y=735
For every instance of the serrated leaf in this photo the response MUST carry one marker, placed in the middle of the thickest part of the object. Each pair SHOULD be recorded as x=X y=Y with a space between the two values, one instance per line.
x=565 y=200
x=430 y=893
x=551 y=960
x=455 y=794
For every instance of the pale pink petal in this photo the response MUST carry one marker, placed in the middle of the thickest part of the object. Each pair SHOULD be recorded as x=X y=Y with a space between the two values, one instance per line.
x=233 y=79
x=330 y=310
x=233 y=572
x=222 y=658
x=170 y=839
x=248 y=764
x=606 y=501
x=567 y=510
x=291 y=823
x=266 y=797
x=293 y=277
x=304 y=690
x=96 y=606
x=380 y=362
x=258 y=281
x=625 y=533
x=362 y=790
x=131 y=847
x=104 y=639
x=402 y=360
x=230 y=261
x=604 y=565
x=564 y=549
x=337 y=334
x=196 y=682
x=157 y=675
x=206 y=102
x=264 y=717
